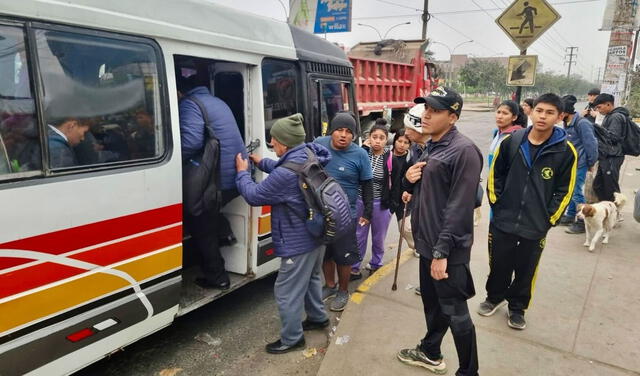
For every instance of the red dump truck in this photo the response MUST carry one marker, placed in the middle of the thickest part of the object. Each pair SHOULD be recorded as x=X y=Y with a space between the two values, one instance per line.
x=388 y=76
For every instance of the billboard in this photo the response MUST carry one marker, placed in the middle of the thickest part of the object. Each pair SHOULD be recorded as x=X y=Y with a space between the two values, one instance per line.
x=321 y=16
x=620 y=14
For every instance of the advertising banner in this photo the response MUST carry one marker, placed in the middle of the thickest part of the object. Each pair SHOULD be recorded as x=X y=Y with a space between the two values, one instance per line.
x=321 y=16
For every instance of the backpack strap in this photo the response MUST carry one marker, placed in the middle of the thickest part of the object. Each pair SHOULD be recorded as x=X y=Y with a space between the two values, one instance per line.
x=208 y=129
x=517 y=138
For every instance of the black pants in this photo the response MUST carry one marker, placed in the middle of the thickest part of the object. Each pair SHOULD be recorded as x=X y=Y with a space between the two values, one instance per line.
x=205 y=230
x=445 y=306
x=509 y=254
x=607 y=178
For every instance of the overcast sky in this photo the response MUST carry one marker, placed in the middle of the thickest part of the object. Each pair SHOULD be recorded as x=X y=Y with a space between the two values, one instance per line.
x=456 y=21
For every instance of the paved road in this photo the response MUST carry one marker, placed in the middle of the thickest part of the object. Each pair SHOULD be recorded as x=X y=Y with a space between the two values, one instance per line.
x=239 y=325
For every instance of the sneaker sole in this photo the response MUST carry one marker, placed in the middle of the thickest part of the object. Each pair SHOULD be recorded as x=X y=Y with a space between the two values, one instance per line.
x=498 y=306
x=329 y=296
x=516 y=327
x=440 y=369
x=337 y=309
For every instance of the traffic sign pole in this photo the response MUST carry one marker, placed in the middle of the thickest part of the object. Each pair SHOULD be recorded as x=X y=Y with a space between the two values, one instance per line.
x=519 y=88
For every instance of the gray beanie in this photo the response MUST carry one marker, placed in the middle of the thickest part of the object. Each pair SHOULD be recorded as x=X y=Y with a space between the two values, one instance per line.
x=289 y=130
x=343 y=120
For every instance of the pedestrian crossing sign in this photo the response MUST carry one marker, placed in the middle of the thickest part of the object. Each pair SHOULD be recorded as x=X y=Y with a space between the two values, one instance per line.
x=526 y=20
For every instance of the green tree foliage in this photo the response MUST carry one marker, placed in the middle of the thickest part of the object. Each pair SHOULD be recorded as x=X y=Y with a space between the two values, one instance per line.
x=484 y=76
x=481 y=76
x=633 y=104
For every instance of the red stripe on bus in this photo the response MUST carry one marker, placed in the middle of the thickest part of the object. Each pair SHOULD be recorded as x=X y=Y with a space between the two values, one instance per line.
x=66 y=240
x=43 y=274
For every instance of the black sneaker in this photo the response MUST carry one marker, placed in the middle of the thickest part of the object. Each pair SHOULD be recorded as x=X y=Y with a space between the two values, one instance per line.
x=278 y=347
x=313 y=325
x=416 y=357
x=355 y=276
x=487 y=308
x=566 y=220
x=576 y=228
x=516 y=320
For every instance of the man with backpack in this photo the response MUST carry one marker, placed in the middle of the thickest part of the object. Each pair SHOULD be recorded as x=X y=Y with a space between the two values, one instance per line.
x=202 y=114
x=349 y=166
x=580 y=134
x=298 y=286
x=530 y=184
x=610 y=151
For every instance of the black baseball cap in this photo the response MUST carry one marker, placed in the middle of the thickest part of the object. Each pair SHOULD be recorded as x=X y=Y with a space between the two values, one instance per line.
x=443 y=98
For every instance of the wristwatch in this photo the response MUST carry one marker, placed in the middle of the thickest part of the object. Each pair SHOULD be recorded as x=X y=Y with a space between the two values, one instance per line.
x=437 y=254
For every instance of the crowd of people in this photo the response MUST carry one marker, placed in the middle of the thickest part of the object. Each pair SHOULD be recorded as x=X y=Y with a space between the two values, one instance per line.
x=538 y=161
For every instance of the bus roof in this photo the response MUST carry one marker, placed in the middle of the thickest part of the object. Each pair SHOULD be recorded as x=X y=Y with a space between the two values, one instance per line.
x=196 y=21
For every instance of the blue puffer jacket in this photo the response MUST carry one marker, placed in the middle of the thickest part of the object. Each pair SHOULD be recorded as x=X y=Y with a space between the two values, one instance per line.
x=224 y=127
x=281 y=190
x=580 y=133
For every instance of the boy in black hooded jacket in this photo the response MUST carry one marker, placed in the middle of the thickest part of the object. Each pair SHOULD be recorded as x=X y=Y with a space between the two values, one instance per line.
x=530 y=184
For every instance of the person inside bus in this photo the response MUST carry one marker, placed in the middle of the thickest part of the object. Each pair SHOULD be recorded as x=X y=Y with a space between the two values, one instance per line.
x=298 y=287
x=208 y=228
x=63 y=134
x=142 y=140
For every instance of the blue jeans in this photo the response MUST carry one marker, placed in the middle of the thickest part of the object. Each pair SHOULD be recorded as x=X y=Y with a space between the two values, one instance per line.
x=578 y=192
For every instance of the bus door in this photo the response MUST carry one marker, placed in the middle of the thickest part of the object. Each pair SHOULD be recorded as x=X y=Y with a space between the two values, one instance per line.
x=328 y=97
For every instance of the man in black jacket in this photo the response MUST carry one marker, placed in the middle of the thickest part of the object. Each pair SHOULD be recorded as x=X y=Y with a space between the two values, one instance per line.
x=530 y=184
x=590 y=111
x=442 y=224
x=610 y=156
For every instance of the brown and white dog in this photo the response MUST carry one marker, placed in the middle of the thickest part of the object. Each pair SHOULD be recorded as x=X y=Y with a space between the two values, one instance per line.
x=600 y=218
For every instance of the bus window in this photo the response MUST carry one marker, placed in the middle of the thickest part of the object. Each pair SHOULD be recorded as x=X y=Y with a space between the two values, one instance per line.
x=279 y=90
x=101 y=99
x=19 y=139
x=335 y=98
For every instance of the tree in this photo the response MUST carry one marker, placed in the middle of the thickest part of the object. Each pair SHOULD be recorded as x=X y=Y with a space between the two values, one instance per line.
x=484 y=76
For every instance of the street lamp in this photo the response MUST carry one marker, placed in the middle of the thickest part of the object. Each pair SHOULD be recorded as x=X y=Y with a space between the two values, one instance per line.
x=388 y=30
x=450 y=70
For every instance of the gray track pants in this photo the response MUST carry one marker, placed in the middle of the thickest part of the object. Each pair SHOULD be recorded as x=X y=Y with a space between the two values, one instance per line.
x=298 y=288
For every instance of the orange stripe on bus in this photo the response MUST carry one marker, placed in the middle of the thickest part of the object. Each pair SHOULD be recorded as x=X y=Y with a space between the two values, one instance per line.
x=47 y=302
x=42 y=274
x=264 y=225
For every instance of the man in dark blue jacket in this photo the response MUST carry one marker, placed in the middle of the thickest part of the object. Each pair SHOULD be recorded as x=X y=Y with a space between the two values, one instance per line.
x=444 y=181
x=208 y=227
x=530 y=184
x=580 y=134
x=298 y=287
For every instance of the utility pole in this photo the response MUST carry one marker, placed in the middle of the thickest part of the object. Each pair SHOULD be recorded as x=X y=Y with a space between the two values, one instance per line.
x=571 y=60
x=425 y=18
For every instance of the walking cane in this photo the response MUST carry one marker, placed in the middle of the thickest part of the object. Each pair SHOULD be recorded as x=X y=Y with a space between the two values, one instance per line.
x=395 y=277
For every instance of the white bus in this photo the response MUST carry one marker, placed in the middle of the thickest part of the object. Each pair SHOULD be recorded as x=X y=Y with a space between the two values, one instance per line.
x=92 y=255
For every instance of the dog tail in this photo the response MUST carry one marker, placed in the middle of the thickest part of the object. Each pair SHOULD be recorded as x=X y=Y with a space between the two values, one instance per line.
x=619 y=199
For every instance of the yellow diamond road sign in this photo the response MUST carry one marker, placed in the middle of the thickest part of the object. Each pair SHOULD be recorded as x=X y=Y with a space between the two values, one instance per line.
x=525 y=20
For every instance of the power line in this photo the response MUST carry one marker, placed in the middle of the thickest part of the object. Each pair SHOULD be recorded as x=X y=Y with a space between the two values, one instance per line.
x=463 y=34
x=465 y=11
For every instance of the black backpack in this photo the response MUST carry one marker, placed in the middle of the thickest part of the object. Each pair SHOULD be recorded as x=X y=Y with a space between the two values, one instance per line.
x=631 y=141
x=328 y=212
x=201 y=174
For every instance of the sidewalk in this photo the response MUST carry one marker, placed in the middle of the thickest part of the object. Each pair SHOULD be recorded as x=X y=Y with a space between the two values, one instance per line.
x=584 y=318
